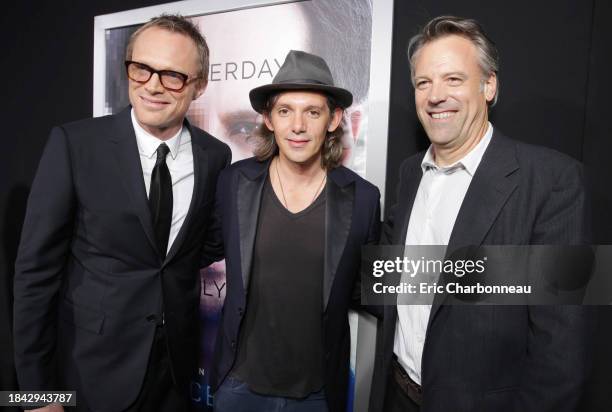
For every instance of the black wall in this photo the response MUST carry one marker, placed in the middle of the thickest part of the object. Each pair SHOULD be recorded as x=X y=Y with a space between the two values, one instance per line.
x=555 y=91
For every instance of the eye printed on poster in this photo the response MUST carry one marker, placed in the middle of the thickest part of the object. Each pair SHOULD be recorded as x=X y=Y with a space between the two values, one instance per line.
x=248 y=42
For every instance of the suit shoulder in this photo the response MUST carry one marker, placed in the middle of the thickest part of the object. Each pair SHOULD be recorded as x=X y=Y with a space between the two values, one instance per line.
x=540 y=168
x=412 y=161
x=542 y=159
x=249 y=165
x=207 y=140
x=362 y=184
x=544 y=155
x=90 y=126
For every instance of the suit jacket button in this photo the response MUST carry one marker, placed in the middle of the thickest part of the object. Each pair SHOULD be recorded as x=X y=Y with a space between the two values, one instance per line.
x=240 y=312
x=234 y=344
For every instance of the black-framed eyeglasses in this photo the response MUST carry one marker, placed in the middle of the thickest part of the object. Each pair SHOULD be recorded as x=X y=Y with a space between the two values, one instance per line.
x=171 y=80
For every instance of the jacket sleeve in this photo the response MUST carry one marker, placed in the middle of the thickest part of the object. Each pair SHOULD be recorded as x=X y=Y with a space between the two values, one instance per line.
x=560 y=336
x=373 y=239
x=41 y=259
x=388 y=227
x=213 y=249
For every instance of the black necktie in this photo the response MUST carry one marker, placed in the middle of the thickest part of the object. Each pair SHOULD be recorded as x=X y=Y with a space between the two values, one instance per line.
x=160 y=199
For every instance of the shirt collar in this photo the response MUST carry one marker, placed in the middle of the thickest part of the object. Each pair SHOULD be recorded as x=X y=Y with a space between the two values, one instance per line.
x=148 y=144
x=469 y=162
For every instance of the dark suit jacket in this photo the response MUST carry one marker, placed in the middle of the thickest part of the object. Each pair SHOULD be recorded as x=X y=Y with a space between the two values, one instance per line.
x=352 y=219
x=498 y=358
x=90 y=282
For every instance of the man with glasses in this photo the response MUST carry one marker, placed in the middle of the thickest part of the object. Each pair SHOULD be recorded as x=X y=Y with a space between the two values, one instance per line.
x=118 y=223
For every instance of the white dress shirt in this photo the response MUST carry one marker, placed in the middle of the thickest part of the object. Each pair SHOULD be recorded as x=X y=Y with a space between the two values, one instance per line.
x=433 y=216
x=180 y=165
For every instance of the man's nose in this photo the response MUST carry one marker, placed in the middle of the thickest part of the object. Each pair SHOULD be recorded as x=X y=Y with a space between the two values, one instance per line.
x=154 y=84
x=437 y=93
x=298 y=125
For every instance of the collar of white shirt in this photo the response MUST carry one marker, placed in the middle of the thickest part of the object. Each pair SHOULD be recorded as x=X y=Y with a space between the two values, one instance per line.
x=148 y=144
x=469 y=162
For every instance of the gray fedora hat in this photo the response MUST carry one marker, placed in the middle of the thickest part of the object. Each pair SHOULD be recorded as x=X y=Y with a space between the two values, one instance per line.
x=301 y=71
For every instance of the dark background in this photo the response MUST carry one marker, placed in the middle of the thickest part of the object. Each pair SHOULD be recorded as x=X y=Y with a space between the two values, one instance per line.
x=555 y=91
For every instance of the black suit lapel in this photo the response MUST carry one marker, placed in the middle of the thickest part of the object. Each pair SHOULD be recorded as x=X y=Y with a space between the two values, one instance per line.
x=248 y=203
x=200 y=184
x=491 y=186
x=338 y=217
x=493 y=182
x=128 y=159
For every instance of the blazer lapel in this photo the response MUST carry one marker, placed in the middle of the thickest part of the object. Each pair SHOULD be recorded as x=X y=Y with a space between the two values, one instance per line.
x=200 y=184
x=340 y=197
x=491 y=186
x=128 y=159
x=248 y=203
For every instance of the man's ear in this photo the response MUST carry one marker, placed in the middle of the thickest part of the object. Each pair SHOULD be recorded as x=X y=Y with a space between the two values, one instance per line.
x=267 y=121
x=335 y=120
x=490 y=87
x=200 y=88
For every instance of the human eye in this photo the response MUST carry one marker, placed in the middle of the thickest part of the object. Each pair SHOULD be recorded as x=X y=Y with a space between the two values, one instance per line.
x=172 y=79
x=171 y=74
x=241 y=128
x=139 y=72
x=455 y=81
x=283 y=111
x=140 y=66
x=314 y=113
x=421 y=84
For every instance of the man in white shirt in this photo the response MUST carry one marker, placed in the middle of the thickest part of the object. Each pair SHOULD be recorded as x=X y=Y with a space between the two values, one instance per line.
x=473 y=186
x=117 y=226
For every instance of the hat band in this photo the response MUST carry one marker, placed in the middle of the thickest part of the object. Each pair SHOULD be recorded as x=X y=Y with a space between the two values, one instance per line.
x=302 y=81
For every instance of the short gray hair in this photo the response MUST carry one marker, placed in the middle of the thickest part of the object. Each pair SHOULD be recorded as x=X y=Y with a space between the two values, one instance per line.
x=470 y=29
x=176 y=23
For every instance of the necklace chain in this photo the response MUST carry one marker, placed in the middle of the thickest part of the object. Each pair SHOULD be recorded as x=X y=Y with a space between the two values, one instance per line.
x=280 y=182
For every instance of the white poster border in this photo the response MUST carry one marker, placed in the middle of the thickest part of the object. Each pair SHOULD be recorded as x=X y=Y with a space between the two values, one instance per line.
x=380 y=64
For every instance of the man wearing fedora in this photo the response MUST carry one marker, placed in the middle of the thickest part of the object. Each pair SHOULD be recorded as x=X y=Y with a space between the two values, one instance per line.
x=293 y=223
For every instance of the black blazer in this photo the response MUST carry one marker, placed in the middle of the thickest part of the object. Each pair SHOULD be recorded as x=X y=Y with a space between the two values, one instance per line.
x=352 y=217
x=500 y=358
x=89 y=280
